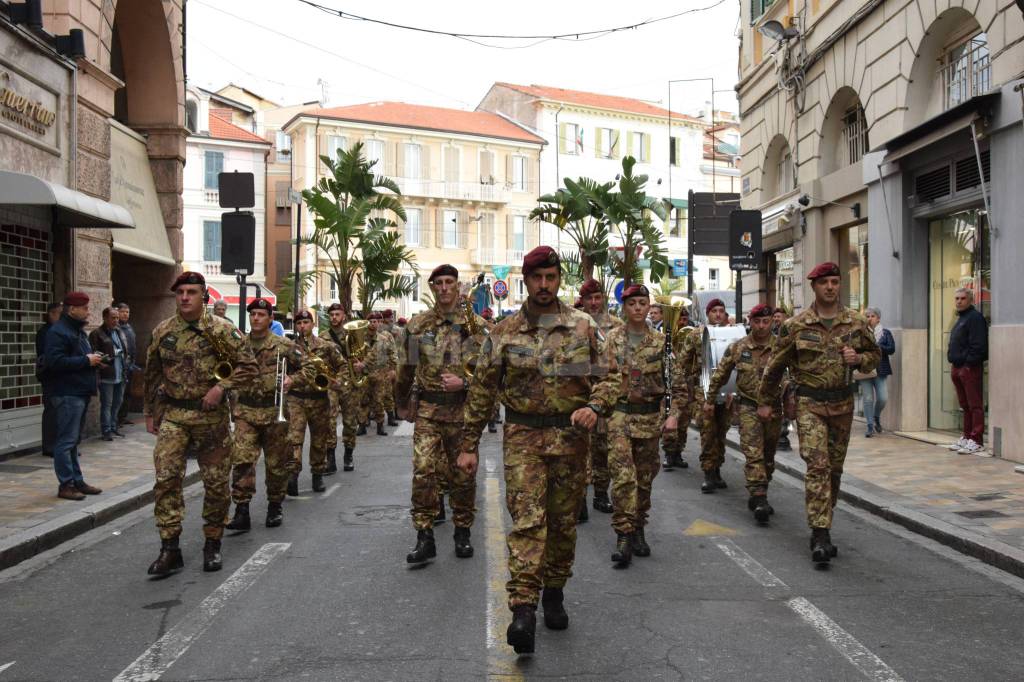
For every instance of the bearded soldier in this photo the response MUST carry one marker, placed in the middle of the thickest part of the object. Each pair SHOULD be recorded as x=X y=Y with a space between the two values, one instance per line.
x=439 y=343
x=544 y=364
x=344 y=402
x=821 y=347
x=193 y=359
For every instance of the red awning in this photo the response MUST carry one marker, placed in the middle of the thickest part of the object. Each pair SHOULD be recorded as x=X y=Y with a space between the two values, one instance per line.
x=232 y=299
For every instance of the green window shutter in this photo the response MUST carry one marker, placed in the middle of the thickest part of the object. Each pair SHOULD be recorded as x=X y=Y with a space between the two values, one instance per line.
x=598 y=139
x=561 y=138
x=647 y=148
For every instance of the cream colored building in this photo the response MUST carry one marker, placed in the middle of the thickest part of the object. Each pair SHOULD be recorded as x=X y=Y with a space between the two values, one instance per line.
x=886 y=135
x=469 y=180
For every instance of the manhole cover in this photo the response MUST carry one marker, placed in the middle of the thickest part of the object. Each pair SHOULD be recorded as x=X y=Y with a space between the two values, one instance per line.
x=987 y=497
x=375 y=516
x=982 y=514
x=19 y=469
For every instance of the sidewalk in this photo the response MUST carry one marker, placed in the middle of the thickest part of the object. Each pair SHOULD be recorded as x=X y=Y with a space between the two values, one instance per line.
x=971 y=503
x=33 y=519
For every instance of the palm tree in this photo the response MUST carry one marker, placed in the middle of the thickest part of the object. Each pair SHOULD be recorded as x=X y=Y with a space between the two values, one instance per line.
x=578 y=210
x=628 y=212
x=382 y=258
x=350 y=220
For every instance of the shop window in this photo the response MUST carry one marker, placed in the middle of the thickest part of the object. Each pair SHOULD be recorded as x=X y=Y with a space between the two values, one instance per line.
x=211 y=241
x=854 y=246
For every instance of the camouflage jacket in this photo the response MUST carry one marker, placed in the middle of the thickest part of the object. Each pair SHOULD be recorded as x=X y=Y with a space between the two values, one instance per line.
x=436 y=343
x=748 y=358
x=813 y=354
x=382 y=355
x=313 y=346
x=339 y=338
x=642 y=376
x=686 y=370
x=180 y=363
x=266 y=351
x=544 y=366
x=606 y=322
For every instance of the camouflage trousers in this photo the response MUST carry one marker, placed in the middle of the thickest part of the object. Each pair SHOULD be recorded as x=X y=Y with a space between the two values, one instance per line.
x=435 y=447
x=758 y=440
x=823 y=443
x=543 y=494
x=212 y=445
x=597 y=470
x=712 y=438
x=272 y=439
x=323 y=431
x=347 y=405
x=375 y=397
x=633 y=463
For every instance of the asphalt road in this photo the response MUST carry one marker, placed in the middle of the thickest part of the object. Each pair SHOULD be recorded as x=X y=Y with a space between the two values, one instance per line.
x=328 y=596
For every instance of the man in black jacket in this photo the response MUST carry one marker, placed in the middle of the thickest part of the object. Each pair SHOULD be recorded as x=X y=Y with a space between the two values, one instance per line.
x=109 y=340
x=967 y=353
x=124 y=314
x=49 y=414
x=69 y=380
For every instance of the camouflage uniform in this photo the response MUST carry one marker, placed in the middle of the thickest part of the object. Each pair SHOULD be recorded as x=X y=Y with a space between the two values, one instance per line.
x=309 y=405
x=437 y=343
x=179 y=372
x=635 y=425
x=597 y=465
x=675 y=441
x=687 y=392
x=758 y=439
x=256 y=425
x=346 y=402
x=542 y=370
x=381 y=359
x=812 y=351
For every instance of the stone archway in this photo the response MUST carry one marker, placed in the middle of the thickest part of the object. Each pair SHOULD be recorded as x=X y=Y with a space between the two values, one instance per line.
x=844 y=134
x=776 y=177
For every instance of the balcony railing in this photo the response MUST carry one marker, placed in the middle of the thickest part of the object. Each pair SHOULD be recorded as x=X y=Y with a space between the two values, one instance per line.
x=966 y=73
x=489 y=256
x=465 y=191
x=211 y=268
x=211 y=196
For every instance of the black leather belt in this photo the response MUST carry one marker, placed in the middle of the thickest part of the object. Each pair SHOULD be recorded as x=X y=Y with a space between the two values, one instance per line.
x=744 y=400
x=443 y=397
x=183 y=403
x=256 y=402
x=638 y=408
x=309 y=395
x=825 y=395
x=538 y=421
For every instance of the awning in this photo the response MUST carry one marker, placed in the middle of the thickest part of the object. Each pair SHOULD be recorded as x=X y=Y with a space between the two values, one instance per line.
x=132 y=186
x=232 y=298
x=939 y=127
x=678 y=203
x=70 y=208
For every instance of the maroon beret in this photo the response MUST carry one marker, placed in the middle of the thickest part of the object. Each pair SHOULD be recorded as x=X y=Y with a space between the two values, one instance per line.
x=540 y=257
x=591 y=286
x=303 y=315
x=402 y=322
x=635 y=290
x=389 y=314
x=188 y=277
x=376 y=315
x=760 y=310
x=578 y=304
x=826 y=269
x=487 y=314
x=261 y=304
x=335 y=306
x=76 y=298
x=713 y=303
x=442 y=271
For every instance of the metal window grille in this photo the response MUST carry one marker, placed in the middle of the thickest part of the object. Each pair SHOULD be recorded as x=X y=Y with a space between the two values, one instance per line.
x=855 y=136
x=966 y=71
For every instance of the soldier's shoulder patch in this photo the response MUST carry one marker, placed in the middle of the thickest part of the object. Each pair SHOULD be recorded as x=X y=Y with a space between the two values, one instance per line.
x=808 y=335
x=235 y=334
x=598 y=335
x=169 y=341
x=747 y=354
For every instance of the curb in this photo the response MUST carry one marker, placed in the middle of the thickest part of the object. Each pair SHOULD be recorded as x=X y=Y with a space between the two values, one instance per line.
x=28 y=543
x=992 y=552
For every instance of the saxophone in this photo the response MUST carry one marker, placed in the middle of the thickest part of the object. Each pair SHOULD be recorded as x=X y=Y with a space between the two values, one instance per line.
x=224 y=352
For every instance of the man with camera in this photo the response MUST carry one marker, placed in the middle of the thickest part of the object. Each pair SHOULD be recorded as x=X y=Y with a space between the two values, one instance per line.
x=109 y=341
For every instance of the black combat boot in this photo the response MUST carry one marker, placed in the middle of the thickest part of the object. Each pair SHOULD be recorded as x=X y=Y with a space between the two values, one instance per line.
x=241 y=520
x=555 y=617
x=380 y=429
x=332 y=462
x=211 y=556
x=667 y=464
x=623 y=553
x=318 y=483
x=584 y=513
x=347 y=462
x=392 y=419
x=601 y=502
x=169 y=561
x=522 y=629
x=640 y=546
x=275 y=515
x=293 y=485
x=425 y=548
x=719 y=481
x=759 y=505
x=708 y=486
x=678 y=461
x=463 y=549
x=491 y=428
x=783 y=444
x=440 y=517
x=361 y=431
x=822 y=549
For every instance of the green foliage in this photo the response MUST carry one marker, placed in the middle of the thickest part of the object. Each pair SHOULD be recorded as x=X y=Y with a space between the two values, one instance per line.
x=578 y=210
x=628 y=212
x=285 y=297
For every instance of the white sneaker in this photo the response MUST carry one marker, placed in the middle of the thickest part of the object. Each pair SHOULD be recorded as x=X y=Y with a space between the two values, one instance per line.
x=957 y=444
x=970 y=448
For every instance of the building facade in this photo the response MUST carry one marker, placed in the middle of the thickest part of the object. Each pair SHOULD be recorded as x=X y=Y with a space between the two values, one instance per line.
x=468 y=182
x=886 y=135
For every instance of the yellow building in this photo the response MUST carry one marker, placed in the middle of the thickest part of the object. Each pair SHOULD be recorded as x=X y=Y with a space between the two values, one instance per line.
x=469 y=180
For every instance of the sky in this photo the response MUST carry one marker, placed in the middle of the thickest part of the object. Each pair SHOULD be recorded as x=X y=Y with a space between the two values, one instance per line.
x=290 y=52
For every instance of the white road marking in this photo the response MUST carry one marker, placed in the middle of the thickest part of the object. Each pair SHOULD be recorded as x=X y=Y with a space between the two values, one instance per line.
x=501 y=662
x=330 y=491
x=856 y=653
x=155 y=660
x=842 y=641
x=5 y=666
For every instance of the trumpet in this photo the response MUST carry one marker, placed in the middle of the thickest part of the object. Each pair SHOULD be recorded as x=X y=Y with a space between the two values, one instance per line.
x=282 y=367
x=357 y=330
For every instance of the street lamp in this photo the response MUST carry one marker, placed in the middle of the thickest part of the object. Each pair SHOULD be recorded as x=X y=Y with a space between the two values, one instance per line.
x=776 y=31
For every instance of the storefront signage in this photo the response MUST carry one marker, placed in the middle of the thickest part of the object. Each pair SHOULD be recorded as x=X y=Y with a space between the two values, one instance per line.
x=26 y=106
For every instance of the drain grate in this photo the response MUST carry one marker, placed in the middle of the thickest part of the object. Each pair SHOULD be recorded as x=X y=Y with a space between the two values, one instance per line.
x=19 y=469
x=982 y=514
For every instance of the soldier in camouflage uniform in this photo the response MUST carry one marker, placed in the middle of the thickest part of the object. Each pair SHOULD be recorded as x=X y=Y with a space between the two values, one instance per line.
x=309 y=403
x=382 y=365
x=635 y=427
x=749 y=356
x=184 y=407
x=594 y=304
x=388 y=325
x=345 y=402
x=544 y=364
x=257 y=428
x=821 y=347
x=674 y=442
x=439 y=342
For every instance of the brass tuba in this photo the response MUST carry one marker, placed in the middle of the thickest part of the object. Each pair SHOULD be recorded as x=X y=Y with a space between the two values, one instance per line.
x=356 y=346
x=322 y=376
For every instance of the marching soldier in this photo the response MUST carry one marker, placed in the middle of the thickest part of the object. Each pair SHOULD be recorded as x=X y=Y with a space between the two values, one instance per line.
x=544 y=364
x=435 y=357
x=382 y=365
x=749 y=356
x=256 y=422
x=388 y=325
x=309 y=402
x=821 y=347
x=673 y=442
x=345 y=402
x=187 y=374
x=638 y=351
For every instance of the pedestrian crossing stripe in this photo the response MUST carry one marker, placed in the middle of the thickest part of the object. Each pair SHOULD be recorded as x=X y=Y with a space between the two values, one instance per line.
x=701 y=528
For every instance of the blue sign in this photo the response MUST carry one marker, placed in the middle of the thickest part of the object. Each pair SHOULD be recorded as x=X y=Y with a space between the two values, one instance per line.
x=618 y=291
x=500 y=289
x=501 y=271
x=679 y=267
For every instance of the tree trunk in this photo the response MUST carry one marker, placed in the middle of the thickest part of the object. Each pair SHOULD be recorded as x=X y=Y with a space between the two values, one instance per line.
x=586 y=266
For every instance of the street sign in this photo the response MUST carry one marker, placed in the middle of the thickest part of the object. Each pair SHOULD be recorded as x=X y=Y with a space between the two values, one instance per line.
x=500 y=271
x=709 y=222
x=679 y=267
x=236 y=190
x=238 y=242
x=499 y=289
x=745 y=240
x=618 y=290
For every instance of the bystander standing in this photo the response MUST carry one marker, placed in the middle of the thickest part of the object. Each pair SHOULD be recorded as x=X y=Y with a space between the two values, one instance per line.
x=967 y=353
x=109 y=341
x=124 y=315
x=873 y=389
x=49 y=435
